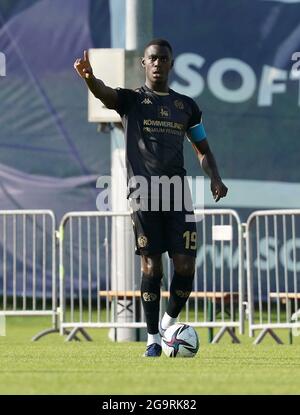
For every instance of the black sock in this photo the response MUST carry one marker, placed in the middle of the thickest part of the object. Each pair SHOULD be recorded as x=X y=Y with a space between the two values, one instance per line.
x=180 y=289
x=150 y=290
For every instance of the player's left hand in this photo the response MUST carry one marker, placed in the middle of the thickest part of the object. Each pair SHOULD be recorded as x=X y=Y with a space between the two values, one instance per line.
x=218 y=189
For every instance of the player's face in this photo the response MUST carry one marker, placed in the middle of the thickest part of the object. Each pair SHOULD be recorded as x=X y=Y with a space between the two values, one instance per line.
x=157 y=62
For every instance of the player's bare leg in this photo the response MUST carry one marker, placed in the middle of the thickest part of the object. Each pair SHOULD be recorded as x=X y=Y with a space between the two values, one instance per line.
x=152 y=272
x=180 y=289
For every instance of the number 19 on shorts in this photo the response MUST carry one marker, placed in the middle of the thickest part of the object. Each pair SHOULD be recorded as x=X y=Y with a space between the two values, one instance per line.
x=190 y=239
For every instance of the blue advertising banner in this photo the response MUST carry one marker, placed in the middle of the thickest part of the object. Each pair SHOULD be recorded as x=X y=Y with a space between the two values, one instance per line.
x=235 y=59
x=43 y=105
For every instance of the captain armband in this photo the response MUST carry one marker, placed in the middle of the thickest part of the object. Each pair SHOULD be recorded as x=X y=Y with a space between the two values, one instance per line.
x=197 y=133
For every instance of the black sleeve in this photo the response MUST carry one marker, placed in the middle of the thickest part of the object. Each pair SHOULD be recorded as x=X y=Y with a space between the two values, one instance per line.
x=196 y=114
x=126 y=100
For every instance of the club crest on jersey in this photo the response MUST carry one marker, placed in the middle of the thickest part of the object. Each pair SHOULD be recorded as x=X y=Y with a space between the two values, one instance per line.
x=142 y=241
x=164 y=112
x=179 y=104
x=149 y=296
x=146 y=101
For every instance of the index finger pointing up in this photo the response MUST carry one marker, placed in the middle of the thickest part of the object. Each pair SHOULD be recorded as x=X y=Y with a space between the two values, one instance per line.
x=86 y=56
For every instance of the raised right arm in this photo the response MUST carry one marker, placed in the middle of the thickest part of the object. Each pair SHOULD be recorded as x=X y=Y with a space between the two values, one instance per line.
x=107 y=95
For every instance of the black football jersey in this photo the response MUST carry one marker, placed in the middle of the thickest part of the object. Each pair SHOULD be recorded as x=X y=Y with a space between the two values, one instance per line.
x=155 y=125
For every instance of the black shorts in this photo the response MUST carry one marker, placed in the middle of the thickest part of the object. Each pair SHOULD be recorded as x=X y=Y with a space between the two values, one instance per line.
x=171 y=231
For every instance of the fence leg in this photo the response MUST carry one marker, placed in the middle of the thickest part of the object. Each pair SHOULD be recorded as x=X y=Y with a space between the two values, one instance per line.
x=289 y=314
x=44 y=333
x=221 y=333
x=72 y=334
x=232 y=330
x=210 y=318
x=264 y=333
x=290 y=336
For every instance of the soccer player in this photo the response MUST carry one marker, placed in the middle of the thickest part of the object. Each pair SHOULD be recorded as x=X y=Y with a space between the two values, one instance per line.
x=156 y=119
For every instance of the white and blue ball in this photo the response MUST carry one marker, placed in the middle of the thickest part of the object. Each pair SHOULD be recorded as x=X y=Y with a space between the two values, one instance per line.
x=180 y=340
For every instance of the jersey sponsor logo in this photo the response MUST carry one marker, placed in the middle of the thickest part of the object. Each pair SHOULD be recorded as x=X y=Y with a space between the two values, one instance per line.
x=167 y=124
x=146 y=101
x=179 y=104
x=142 y=241
x=163 y=127
x=164 y=112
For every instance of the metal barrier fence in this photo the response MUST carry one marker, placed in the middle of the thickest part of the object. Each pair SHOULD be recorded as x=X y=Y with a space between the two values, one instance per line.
x=28 y=258
x=95 y=254
x=85 y=270
x=91 y=298
x=272 y=240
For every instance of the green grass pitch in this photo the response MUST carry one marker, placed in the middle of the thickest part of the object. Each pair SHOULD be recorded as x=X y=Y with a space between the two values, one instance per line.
x=52 y=366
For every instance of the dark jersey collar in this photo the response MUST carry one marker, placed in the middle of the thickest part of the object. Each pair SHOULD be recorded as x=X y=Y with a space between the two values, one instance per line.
x=160 y=94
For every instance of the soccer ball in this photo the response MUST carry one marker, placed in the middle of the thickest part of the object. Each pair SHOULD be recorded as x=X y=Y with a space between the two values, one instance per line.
x=180 y=340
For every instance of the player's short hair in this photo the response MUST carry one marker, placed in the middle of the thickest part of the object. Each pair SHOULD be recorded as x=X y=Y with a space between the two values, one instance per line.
x=159 y=42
